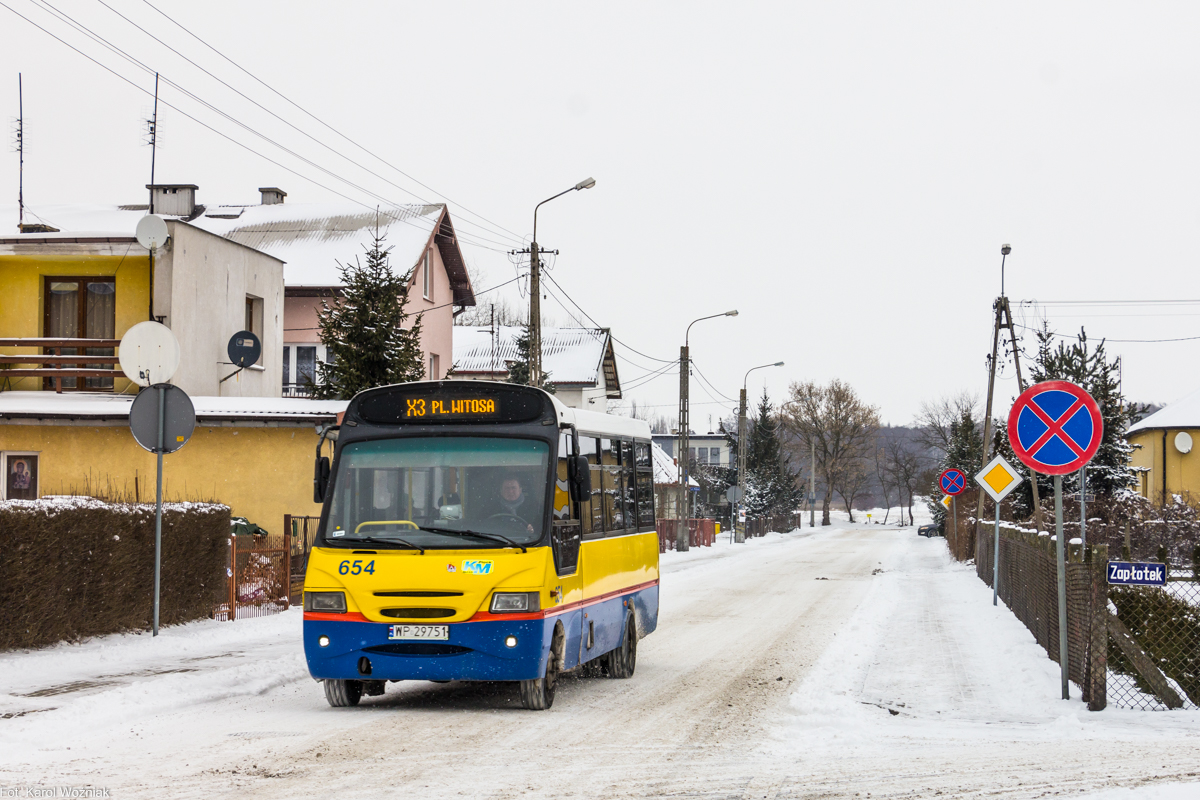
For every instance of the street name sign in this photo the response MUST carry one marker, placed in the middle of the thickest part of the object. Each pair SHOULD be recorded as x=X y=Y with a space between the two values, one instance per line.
x=1055 y=427
x=1127 y=573
x=998 y=478
x=953 y=481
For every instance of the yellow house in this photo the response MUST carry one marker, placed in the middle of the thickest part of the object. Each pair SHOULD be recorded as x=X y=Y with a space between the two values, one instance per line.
x=253 y=454
x=62 y=291
x=1164 y=446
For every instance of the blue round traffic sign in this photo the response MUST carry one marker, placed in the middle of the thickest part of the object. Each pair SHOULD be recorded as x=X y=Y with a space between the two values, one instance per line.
x=952 y=481
x=1055 y=427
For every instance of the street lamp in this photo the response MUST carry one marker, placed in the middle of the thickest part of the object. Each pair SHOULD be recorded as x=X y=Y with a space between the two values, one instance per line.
x=535 y=290
x=681 y=534
x=740 y=530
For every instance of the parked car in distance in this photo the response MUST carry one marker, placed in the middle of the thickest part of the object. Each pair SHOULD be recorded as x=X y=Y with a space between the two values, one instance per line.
x=930 y=529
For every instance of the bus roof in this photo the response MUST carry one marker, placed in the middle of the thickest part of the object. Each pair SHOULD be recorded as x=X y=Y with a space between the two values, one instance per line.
x=600 y=424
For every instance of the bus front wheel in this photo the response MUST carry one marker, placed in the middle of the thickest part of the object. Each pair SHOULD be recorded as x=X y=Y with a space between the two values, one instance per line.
x=537 y=694
x=343 y=693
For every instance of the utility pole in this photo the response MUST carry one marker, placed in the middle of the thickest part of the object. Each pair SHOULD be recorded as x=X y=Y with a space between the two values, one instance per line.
x=20 y=154
x=153 y=151
x=738 y=527
x=535 y=288
x=681 y=532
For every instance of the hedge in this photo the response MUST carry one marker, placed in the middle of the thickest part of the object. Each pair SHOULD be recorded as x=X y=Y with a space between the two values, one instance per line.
x=76 y=567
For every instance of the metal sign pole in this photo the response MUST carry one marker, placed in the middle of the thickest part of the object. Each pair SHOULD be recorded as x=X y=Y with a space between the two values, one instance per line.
x=162 y=402
x=996 y=557
x=1062 y=588
x=953 y=516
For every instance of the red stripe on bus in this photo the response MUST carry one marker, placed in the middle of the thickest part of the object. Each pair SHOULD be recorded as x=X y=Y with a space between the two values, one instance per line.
x=349 y=616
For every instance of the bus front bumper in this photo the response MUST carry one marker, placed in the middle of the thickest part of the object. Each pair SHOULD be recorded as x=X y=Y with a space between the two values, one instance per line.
x=475 y=651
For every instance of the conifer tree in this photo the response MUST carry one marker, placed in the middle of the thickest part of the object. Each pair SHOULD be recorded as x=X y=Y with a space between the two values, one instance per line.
x=770 y=479
x=518 y=369
x=363 y=329
x=964 y=451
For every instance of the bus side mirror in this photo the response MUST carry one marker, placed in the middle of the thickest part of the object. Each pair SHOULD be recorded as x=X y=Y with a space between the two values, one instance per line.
x=581 y=476
x=320 y=479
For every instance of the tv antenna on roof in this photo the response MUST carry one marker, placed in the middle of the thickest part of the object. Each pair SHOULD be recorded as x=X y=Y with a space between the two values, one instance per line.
x=20 y=154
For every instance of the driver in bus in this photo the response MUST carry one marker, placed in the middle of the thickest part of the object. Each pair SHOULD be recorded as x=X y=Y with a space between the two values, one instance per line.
x=514 y=501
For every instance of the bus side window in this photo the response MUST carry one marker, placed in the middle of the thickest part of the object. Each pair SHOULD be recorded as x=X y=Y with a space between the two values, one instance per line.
x=629 y=510
x=645 y=486
x=591 y=510
x=562 y=483
x=614 y=516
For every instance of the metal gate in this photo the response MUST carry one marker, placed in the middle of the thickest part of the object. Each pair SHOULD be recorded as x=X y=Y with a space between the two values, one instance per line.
x=259 y=579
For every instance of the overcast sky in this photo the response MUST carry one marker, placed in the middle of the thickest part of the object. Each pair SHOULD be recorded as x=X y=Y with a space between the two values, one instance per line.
x=843 y=174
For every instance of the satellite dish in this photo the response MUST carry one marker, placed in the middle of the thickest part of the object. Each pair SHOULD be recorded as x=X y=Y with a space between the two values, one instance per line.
x=149 y=353
x=151 y=231
x=1183 y=442
x=244 y=349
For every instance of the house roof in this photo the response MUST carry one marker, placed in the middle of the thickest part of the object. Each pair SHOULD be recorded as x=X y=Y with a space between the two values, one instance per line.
x=311 y=238
x=107 y=406
x=1183 y=413
x=665 y=468
x=570 y=356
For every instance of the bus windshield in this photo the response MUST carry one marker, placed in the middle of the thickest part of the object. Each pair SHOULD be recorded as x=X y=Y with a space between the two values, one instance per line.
x=440 y=492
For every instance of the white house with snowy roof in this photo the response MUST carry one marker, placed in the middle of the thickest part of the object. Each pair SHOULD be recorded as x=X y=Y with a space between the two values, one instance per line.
x=579 y=362
x=305 y=240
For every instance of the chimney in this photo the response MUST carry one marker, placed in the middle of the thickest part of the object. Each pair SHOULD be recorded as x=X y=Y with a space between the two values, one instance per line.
x=173 y=199
x=272 y=196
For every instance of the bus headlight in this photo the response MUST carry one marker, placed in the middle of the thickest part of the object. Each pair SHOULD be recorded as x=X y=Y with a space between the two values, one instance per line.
x=328 y=602
x=515 y=602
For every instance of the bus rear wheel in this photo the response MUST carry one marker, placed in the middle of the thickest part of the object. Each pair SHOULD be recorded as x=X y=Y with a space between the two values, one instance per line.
x=537 y=694
x=622 y=661
x=343 y=693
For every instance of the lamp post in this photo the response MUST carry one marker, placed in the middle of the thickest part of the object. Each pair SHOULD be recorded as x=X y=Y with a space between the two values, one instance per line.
x=535 y=290
x=681 y=456
x=738 y=528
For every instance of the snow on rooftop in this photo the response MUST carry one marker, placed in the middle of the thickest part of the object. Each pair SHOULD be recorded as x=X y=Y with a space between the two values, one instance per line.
x=310 y=238
x=665 y=468
x=41 y=405
x=1183 y=413
x=569 y=355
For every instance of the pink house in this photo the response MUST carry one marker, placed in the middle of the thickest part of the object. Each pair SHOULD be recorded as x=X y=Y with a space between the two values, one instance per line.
x=312 y=238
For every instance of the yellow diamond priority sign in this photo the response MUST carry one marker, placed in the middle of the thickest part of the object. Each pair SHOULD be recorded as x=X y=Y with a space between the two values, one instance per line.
x=998 y=478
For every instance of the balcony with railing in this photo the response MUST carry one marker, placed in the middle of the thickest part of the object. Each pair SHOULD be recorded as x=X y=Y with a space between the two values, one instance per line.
x=72 y=364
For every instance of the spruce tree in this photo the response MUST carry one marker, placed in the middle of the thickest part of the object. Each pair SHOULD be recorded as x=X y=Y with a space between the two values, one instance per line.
x=363 y=329
x=770 y=480
x=518 y=369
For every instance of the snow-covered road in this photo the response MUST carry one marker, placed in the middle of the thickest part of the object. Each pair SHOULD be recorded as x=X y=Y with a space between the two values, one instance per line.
x=856 y=661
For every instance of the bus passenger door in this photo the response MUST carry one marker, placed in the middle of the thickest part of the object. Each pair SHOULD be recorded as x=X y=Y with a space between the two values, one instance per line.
x=565 y=540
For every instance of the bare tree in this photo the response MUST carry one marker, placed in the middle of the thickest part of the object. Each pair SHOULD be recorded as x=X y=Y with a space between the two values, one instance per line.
x=906 y=464
x=935 y=418
x=849 y=480
x=883 y=474
x=834 y=420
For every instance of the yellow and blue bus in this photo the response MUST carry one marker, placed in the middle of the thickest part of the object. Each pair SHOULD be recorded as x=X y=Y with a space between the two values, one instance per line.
x=481 y=532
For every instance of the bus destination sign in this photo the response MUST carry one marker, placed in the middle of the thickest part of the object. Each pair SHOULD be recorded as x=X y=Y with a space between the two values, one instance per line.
x=1146 y=574
x=447 y=407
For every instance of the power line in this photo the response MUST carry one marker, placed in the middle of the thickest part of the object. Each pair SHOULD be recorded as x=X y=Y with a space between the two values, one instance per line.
x=517 y=237
x=710 y=385
x=1120 y=341
x=65 y=18
x=598 y=325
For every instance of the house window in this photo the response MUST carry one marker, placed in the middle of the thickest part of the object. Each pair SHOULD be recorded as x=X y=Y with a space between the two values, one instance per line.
x=254 y=319
x=433 y=367
x=426 y=280
x=287 y=364
x=81 y=308
x=306 y=366
x=714 y=456
x=20 y=476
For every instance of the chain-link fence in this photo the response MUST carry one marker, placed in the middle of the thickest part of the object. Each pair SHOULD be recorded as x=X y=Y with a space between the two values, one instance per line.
x=1128 y=646
x=1154 y=650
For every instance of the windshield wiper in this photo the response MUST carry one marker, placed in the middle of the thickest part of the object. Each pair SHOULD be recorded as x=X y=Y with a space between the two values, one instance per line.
x=383 y=540
x=495 y=537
